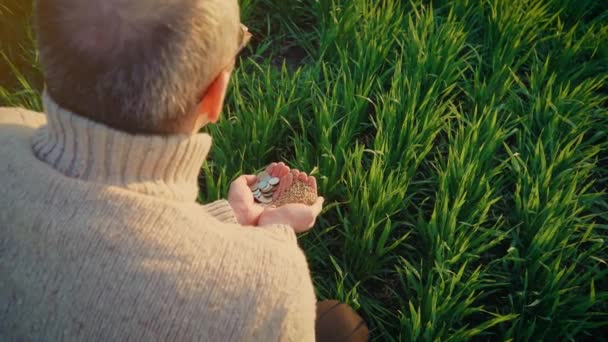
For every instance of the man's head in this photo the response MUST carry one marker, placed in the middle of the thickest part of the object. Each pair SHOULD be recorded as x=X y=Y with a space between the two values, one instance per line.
x=142 y=66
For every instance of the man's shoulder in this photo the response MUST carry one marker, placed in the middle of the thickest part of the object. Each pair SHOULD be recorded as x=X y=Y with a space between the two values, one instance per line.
x=19 y=164
x=18 y=116
x=16 y=128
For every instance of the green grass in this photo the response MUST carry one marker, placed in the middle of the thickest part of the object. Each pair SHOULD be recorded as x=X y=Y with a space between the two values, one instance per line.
x=461 y=146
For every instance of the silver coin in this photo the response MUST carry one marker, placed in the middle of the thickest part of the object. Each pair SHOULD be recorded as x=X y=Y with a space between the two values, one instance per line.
x=254 y=187
x=265 y=200
x=257 y=193
x=263 y=184
x=274 y=181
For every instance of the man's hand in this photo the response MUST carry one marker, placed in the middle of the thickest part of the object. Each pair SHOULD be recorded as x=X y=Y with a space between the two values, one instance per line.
x=246 y=210
x=300 y=217
x=240 y=197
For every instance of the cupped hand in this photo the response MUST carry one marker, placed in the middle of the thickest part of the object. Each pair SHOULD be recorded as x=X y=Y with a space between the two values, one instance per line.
x=245 y=208
x=300 y=217
x=240 y=197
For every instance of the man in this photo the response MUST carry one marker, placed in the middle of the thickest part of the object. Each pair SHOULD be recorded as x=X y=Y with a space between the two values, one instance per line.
x=100 y=237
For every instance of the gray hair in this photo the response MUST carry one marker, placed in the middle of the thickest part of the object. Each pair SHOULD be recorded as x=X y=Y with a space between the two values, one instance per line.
x=140 y=66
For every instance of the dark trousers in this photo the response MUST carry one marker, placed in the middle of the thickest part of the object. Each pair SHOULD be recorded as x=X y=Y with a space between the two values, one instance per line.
x=338 y=322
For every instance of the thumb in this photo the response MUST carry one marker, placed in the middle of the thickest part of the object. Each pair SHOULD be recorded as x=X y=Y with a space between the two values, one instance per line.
x=318 y=205
x=256 y=211
x=247 y=179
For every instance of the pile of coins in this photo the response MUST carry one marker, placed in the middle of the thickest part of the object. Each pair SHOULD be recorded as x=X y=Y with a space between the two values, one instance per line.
x=265 y=187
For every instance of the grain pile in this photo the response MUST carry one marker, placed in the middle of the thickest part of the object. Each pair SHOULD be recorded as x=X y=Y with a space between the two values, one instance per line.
x=299 y=192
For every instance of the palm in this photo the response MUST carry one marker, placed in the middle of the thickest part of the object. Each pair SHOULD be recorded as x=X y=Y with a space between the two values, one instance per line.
x=300 y=217
x=240 y=193
x=241 y=199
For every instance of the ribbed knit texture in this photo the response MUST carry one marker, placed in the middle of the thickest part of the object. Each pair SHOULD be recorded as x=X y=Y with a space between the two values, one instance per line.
x=165 y=166
x=101 y=240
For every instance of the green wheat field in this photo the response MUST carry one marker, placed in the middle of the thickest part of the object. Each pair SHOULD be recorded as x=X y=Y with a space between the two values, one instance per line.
x=461 y=146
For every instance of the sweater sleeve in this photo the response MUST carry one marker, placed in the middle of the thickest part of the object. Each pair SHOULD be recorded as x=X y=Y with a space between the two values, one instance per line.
x=224 y=213
x=221 y=210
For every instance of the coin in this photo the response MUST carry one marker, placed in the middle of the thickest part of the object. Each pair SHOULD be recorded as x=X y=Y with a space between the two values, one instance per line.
x=265 y=200
x=274 y=181
x=263 y=184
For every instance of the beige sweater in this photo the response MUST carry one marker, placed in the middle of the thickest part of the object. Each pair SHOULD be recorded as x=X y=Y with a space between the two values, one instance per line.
x=101 y=240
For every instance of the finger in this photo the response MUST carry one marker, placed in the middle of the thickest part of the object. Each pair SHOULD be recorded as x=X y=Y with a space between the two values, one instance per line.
x=278 y=170
x=303 y=177
x=295 y=173
x=289 y=183
x=312 y=183
x=281 y=170
x=279 y=190
x=270 y=168
x=247 y=179
x=285 y=184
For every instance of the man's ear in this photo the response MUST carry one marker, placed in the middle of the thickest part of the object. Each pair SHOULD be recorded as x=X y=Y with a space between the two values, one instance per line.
x=210 y=107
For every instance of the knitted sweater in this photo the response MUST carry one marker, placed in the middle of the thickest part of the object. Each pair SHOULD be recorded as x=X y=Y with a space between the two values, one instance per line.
x=101 y=240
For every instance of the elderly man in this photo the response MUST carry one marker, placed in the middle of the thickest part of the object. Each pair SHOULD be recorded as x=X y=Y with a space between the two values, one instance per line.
x=100 y=235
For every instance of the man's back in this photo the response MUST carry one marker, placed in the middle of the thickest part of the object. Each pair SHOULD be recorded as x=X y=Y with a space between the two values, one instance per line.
x=93 y=260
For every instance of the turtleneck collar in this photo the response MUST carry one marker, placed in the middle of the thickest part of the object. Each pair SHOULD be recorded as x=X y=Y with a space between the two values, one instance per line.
x=162 y=166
